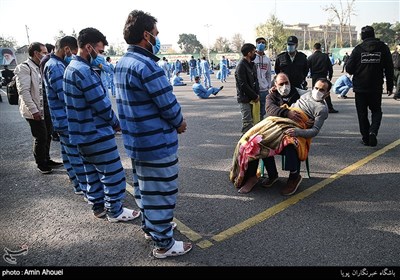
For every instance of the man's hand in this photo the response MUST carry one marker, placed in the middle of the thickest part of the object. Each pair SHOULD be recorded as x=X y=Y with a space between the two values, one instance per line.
x=182 y=128
x=294 y=116
x=310 y=123
x=37 y=117
x=257 y=99
x=290 y=132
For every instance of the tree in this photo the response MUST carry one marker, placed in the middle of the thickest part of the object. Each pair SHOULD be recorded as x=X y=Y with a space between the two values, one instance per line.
x=384 y=32
x=188 y=43
x=8 y=42
x=396 y=29
x=237 y=42
x=74 y=33
x=350 y=12
x=222 y=45
x=111 y=51
x=274 y=33
x=60 y=35
x=343 y=15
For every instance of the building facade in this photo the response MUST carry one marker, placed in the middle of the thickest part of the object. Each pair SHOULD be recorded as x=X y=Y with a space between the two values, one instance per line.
x=327 y=35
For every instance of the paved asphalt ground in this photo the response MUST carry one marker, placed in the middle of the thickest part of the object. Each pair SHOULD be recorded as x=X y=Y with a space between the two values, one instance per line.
x=346 y=217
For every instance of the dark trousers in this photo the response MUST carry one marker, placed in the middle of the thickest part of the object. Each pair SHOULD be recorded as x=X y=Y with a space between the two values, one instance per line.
x=328 y=99
x=292 y=163
x=373 y=101
x=41 y=141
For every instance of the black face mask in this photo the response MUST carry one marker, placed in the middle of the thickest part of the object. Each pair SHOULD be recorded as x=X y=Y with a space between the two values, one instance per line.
x=253 y=57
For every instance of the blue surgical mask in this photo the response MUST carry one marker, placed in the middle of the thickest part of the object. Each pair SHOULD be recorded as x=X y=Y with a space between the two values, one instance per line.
x=260 y=47
x=157 y=46
x=68 y=59
x=99 y=61
x=291 y=48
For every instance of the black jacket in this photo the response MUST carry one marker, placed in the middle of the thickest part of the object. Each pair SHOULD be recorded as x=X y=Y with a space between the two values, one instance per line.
x=274 y=100
x=247 y=87
x=367 y=63
x=297 y=70
x=320 y=65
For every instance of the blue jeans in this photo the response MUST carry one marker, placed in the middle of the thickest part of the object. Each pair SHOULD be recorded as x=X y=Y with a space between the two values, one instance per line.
x=342 y=90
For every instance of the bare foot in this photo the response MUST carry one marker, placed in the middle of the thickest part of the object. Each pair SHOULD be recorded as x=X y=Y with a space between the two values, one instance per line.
x=249 y=185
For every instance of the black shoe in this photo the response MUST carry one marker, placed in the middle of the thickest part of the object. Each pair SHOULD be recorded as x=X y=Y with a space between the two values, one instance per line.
x=365 y=143
x=221 y=87
x=45 y=169
x=98 y=210
x=372 y=140
x=52 y=163
x=332 y=111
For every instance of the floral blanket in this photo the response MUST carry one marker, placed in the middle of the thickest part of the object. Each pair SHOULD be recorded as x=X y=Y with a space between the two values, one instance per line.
x=266 y=139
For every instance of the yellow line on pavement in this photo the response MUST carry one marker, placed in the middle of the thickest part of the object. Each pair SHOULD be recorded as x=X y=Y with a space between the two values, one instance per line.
x=185 y=230
x=296 y=198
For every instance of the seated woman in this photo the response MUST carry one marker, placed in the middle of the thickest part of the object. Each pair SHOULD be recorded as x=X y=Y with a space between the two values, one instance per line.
x=201 y=91
x=176 y=80
x=276 y=135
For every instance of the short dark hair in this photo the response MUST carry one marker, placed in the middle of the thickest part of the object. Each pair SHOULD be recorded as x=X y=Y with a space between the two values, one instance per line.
x=136 y=23
x=49 y=47
x=325 y=81
x=108 y=58
x=197 y=78
x=91 y=35
x=317 y=46
x=367 y=32
x=259 y=39
x=35 y=46
x=246 y=48
x=67 y=41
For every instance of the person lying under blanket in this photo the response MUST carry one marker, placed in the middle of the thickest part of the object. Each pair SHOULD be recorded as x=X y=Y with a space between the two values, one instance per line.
x=276 y=135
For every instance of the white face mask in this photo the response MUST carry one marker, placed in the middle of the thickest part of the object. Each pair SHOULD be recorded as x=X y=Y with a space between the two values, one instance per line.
x=317 y=95
x=284 y=90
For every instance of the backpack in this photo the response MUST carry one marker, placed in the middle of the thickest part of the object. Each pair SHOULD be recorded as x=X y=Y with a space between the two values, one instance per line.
x=12 y=91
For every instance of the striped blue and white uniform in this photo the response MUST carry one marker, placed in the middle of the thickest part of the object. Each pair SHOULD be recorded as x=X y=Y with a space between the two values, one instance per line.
x=53 y=79
x=150 y=115
x=90 y=125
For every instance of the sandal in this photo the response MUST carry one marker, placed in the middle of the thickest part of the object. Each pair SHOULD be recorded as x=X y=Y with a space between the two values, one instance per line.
x=126 y=215
x=147 y=236
x=178 y=249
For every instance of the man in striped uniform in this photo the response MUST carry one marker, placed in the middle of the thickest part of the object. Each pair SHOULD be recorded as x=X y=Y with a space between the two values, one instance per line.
x=92 y=125
x=53 y=71
x=151 y=119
